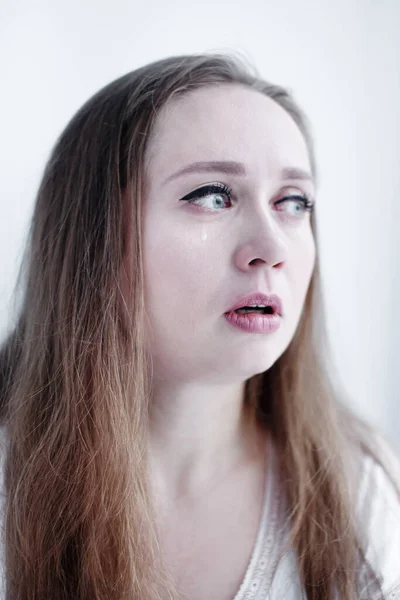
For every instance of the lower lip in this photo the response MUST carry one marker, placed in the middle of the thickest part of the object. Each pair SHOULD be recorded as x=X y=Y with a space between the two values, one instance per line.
x=254 y=322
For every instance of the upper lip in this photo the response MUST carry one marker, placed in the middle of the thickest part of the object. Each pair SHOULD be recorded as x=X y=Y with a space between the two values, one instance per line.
x=272 y=300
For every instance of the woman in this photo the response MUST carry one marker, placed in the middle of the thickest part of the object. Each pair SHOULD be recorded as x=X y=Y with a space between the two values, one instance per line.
x=161 y=438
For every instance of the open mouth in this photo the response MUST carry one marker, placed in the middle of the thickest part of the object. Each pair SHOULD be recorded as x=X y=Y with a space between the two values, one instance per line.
x=264 y=310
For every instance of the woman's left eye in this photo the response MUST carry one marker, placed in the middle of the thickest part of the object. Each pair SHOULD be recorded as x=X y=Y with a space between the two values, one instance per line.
x=298 y=200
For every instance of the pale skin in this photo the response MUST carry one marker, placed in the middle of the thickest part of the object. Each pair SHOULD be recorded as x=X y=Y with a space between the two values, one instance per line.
x=207 y=462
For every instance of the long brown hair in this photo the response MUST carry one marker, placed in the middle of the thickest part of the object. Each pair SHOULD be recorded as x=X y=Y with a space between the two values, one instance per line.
x=75 y=383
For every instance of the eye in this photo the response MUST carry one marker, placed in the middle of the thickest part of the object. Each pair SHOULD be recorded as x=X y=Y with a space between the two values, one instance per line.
x=298 y=202
x=215 y=191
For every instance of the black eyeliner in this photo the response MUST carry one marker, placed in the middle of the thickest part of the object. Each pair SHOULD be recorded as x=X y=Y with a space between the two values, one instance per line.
x=307 y=203
x=207 y=190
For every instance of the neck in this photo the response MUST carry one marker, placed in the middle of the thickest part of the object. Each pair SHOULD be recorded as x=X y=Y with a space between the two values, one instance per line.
x=197 y=434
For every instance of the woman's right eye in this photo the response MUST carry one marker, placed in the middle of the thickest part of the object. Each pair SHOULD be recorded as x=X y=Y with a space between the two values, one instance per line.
x=218 y=191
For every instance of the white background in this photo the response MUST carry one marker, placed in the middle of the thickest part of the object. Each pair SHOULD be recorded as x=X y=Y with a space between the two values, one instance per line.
x=342 y=60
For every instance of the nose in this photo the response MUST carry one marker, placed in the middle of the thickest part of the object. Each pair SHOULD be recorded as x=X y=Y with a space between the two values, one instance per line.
x=261 y=244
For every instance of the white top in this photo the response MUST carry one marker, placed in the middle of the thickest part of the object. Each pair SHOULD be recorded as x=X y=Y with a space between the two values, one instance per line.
x=379 y=510
x=268 y=579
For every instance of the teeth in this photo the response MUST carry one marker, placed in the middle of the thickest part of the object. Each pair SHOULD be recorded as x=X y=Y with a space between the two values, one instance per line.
x=257 y=306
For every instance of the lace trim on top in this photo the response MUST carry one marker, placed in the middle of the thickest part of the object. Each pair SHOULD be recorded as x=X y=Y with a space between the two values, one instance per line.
x=264 y=559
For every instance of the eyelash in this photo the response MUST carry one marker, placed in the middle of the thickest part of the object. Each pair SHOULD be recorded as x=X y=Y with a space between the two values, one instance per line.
x=208 y=190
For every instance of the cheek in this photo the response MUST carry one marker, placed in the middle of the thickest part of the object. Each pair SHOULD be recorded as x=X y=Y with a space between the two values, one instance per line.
x=302 y=265
x=178 y=266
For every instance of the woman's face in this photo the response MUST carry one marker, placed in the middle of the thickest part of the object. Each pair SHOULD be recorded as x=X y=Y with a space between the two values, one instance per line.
x=200 y=258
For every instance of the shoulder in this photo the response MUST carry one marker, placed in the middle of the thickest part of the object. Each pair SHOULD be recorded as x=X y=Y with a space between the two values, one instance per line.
x=378 y=509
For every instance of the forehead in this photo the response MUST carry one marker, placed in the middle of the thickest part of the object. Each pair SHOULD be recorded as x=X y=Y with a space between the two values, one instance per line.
x=225 y=122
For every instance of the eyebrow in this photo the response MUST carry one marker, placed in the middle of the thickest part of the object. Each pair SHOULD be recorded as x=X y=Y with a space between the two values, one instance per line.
x=235 y=168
